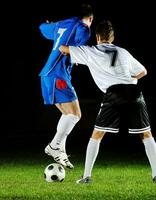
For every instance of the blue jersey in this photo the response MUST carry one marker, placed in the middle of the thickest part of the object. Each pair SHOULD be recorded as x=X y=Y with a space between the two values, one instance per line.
x=72 y=32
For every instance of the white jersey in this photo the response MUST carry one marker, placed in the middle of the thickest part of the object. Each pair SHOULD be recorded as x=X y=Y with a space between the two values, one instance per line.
x=109 y=64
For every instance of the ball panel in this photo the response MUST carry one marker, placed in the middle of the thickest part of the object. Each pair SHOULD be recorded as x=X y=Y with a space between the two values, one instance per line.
x=50 y=167
x=54 y=178
x=54 y=173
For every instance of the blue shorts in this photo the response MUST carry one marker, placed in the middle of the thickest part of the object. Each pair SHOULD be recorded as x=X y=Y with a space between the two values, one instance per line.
x=56 y=90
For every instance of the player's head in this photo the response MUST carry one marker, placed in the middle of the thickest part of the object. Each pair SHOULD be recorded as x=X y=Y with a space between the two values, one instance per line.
x=86 y=14
x=104 y=32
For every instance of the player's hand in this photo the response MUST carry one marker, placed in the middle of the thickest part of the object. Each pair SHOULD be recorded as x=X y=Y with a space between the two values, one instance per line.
x=64 y=49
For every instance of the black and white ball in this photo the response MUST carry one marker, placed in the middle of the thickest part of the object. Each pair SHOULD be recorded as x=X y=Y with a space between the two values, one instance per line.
x=54 y=173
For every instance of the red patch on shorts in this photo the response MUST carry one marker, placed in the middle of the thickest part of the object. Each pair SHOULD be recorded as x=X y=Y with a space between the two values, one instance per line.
x=61 y=84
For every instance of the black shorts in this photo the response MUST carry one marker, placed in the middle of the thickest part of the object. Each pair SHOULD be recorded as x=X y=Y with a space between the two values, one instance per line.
x=123 y=103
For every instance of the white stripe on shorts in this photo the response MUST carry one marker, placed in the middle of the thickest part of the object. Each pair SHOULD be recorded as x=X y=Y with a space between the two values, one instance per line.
x=106 y=129
x=141 y=130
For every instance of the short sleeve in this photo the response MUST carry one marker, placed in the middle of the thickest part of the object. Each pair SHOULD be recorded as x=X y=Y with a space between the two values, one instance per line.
x=78 y=54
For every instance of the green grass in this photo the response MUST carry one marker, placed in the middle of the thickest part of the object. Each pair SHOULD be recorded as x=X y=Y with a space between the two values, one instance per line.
x=115 y=177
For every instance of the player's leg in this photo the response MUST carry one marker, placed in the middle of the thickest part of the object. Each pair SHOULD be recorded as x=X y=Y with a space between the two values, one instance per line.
x=139 y=124
x=71 y=114
x=62 y=94
x=47 y=93
x=150 y=149
x=92 y=151
x=91 y=155
x=107 y=120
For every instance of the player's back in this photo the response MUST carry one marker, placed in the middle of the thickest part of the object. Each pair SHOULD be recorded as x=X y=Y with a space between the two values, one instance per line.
x=108 y=64
x=63 y=32
x=110 y=58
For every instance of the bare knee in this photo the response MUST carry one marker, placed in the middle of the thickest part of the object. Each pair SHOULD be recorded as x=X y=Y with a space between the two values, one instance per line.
x=70 y=108
x=76 y=113
x=97 y=135
x=145 y=135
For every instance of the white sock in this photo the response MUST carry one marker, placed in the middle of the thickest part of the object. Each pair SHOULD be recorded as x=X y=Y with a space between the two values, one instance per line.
x=64 y=127
x=63 y=144
x=91 y=155
x=150 y=149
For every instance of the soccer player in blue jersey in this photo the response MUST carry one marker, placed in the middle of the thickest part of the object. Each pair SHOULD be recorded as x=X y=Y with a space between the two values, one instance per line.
x=56 y=83
x=116 y=73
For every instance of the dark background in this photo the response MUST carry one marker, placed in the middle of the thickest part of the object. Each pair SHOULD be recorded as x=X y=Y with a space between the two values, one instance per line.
x=25 y=121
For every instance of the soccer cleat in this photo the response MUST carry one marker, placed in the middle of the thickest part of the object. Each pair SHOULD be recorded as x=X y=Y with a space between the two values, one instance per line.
x=69 y=164
x=84 y=180
x=59 y=156
x=154 y=179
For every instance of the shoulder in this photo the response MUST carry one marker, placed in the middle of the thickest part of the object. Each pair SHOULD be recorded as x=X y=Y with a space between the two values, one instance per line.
x=82 y=30
x=87 y=49
x=83 y=48
x=123 y=50
x=70 y=20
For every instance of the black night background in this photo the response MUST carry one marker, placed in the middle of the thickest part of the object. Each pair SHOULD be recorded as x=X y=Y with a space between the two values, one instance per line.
x=25 y=122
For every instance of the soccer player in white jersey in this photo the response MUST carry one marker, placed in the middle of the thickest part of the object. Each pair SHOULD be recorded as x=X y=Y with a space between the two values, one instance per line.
x=116 y=72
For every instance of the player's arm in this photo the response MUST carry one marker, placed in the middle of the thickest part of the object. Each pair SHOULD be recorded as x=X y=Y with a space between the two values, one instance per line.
x=64 y=49
x=140 y=75
x=137 y=69
x=78 y=54
x=47 y=30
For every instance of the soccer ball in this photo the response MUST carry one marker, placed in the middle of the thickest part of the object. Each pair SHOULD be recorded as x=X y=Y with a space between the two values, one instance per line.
x=54 y=173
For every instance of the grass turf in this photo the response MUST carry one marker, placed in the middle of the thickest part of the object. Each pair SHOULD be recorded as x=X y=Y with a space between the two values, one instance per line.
x=115 y=177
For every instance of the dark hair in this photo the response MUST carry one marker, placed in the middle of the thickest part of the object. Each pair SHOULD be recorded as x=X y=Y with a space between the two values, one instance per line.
x=104 y=29
x=85 y=11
